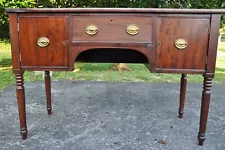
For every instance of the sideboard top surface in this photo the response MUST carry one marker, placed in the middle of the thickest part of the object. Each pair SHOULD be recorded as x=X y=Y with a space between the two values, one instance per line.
x=114 y=10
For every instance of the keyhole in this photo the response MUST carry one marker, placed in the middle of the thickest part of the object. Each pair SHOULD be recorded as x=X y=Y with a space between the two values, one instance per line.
x=159 y=44
x=111 y=21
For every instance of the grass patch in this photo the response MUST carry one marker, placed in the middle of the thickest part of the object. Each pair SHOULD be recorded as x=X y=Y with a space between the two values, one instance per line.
x=7 y=78
x=221 y=46
x=5 y=62
x=4 y=46
x=104 y=71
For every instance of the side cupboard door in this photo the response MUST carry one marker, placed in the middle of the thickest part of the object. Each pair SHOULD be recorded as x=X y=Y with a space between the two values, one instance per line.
x=182 y=43
x=43 y=41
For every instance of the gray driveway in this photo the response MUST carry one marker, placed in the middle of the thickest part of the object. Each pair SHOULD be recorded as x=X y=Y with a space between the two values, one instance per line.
x=91 y=115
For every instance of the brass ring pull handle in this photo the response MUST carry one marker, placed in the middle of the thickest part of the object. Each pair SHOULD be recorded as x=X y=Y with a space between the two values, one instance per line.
x=132 y=29
x=181 y=43
x=92 y=30
x=43 y=42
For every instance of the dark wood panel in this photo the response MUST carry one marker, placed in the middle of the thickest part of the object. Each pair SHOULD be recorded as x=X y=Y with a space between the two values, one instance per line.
x=213 y=43
x=55 y=29
x=49 y=68
x=136 y=14
x=113 y=44
x=197 y=16
x=14 y=37
x=179 y=71
x=195 y=31
x=111 y=28
x=115 y=10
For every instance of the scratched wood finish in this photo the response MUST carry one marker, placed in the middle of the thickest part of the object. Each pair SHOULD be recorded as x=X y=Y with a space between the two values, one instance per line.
x=194 y=31
x=55 y=29
x=112 y=28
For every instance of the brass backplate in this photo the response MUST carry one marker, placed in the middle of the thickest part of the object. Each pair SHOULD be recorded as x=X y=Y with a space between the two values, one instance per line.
x=132 y=29
x=92 y=30
x=43 y=42
x=181 y=43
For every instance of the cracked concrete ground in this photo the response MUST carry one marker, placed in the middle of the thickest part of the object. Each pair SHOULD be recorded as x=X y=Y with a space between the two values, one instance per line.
x=90 y=115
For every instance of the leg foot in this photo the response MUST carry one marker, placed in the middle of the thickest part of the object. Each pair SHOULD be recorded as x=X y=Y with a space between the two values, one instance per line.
x=181 y=112
x=206 y=95
x=48 y=92
x=23 y=133
x=49 y=111
x=20 y=94
x=201 y=139
x=183 y=85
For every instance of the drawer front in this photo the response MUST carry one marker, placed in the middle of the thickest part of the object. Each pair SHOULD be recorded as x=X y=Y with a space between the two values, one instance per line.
x=112 y=28
x=34 y=52
x=182 y=42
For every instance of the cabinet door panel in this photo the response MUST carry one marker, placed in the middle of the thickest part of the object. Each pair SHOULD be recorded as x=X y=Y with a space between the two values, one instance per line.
x=194 y=31
x=55 y=54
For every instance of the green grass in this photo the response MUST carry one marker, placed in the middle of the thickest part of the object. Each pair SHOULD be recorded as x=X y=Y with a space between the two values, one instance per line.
x=104 y=72
x=221 y=46
x=4 y=45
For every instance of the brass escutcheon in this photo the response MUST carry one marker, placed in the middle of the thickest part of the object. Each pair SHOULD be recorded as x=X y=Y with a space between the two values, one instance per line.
x=181 y=43
x=92 y=30
x=43 y=42
x=132 y=29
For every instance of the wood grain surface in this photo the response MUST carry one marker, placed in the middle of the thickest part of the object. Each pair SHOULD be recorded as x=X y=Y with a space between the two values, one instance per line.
x=55 y=29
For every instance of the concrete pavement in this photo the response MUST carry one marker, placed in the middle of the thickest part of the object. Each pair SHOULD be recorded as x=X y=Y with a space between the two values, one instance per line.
x=90 y=115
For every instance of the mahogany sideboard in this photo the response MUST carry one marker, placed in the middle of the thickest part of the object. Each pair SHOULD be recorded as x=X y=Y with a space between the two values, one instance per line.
x=182 y=41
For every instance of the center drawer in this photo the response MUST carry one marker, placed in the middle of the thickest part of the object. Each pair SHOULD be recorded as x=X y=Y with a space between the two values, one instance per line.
x=112 y=28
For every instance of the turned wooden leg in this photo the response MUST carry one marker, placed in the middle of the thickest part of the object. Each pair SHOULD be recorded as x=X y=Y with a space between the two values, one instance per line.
x=20 y=94
x=48 y=91
x=206 y=94
x=183 y=85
